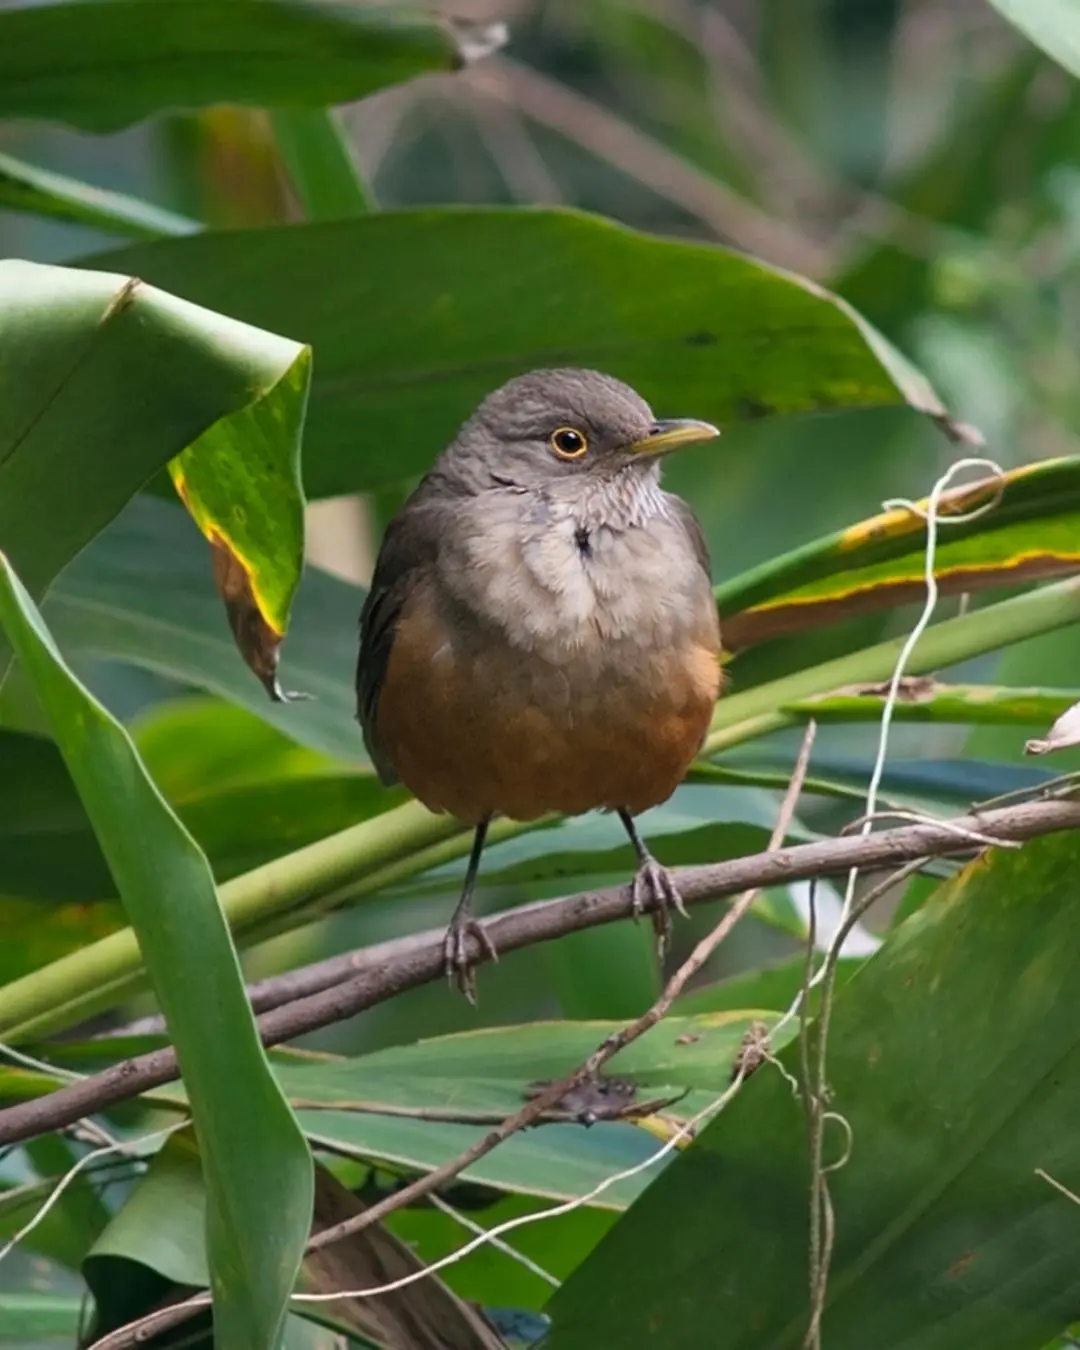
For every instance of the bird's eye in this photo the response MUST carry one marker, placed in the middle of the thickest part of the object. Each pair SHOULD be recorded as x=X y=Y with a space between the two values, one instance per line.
x=568 y=443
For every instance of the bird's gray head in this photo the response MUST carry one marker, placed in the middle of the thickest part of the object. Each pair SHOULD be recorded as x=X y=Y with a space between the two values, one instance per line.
x=560 y=426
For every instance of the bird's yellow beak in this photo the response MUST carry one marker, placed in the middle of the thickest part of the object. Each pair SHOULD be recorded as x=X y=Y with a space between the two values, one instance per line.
x=672 y=434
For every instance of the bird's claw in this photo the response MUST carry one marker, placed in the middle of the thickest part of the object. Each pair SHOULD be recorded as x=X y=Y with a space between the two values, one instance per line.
x=460 y=968
x=654 y=888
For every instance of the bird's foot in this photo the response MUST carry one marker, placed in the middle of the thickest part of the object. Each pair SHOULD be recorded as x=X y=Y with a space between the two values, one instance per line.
x=460 y=967
x=653 y=887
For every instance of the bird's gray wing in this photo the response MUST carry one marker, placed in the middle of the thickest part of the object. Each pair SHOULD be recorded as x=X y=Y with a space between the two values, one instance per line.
x=692 y=529
x=409 y=548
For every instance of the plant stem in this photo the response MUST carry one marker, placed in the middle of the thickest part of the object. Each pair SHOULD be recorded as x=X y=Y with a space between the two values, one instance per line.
x=383 y=972
x=758 y=712
x=56 y=996
x=320 y=166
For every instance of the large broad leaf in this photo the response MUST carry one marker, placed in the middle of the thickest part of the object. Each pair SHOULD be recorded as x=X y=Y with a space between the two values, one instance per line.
x=143 y=593
x=108 y=379
x=946 y=1237
x=102 y=64
x=1031 y=533
x=257 y=1167
x=487 y=1075
x=1054 y=25
x=417 y=315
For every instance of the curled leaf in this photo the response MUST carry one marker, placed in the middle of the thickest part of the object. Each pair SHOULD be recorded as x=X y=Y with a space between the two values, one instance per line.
x=241 y=483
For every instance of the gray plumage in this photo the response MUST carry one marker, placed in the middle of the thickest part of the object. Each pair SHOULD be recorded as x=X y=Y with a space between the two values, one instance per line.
x=578 y=563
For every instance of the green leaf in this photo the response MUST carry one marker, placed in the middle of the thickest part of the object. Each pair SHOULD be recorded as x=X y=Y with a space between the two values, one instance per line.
x=155 y=1241
x=558 y=1162
x=1053 y=25
x=50 y=853
x=257 y=1166
x=945 y=1235
x=241 y=482
x=880 y=563
x=320 y=165
x=557 y=1244
x=31 y=941
x=758 y=711
x=79 y=1214
x=929 y=701
x=773 y=987
x=417 y=315
x=493 y=1067
x=38 y=1317
x=75 y=344
x=143 y=593
x=103 y=64
x=25 y=187
x=186 y=741
x=488 y=1073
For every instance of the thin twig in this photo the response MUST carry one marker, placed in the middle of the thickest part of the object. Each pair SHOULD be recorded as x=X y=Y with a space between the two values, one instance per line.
x=553 y=1093
x=390 y=968
x=683 y=1134
x=443 y=1115
x=822 y=1218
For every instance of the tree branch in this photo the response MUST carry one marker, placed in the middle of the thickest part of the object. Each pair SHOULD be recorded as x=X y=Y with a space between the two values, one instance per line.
x=553 y=1093
x=383 y=971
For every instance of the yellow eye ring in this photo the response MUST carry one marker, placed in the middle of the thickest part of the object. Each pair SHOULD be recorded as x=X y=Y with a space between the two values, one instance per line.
x=569 y=443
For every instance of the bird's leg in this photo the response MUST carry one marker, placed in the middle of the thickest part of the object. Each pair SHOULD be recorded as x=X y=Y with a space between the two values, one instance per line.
x=463 y=926
x=652 y=882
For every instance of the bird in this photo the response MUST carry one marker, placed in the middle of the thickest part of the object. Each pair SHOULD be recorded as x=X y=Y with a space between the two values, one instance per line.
x=540 y=634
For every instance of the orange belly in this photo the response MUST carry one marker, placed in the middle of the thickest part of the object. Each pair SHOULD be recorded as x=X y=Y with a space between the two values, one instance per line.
x=497 y=730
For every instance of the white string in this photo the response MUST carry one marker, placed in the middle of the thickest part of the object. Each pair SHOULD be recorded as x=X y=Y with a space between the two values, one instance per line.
x=121 y=1146
x=683 y=1132
x=494 y=1241
x=929 y=513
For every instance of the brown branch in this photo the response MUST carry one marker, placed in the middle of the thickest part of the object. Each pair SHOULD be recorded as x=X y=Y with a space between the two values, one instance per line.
x=586 y=1072
x=393 y=967
x=443 y=1115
